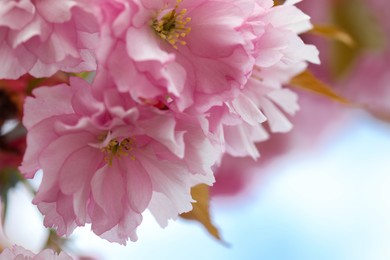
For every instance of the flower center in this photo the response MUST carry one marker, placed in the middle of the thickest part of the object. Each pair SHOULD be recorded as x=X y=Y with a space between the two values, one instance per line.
x=116 y=148
x=171 y=24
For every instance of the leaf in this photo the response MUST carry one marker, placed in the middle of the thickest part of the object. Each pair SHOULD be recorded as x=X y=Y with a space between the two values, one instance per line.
x=307 y=81
x=200 y=211
x=334 y=33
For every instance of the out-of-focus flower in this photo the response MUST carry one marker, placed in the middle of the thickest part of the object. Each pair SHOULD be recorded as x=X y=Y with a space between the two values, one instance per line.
x=105 y=159
x=233 y=176
x=40 y=37
x=18 y=252
x=362 y=69
x=368 y=82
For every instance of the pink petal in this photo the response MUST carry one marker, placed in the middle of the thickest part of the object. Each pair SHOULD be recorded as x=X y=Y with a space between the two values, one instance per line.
x=162 y=129
x=108 y=191
x=139 y=186
x=47 y=105
x=55 y=11
x=277 y=121
x=52 y=160
x=71 y=178
x=248 y=110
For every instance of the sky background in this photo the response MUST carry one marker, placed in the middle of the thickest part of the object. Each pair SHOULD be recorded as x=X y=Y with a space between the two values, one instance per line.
x=332 y=203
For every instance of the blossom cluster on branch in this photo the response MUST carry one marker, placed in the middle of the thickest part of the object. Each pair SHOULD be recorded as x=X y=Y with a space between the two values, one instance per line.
x=174 y=85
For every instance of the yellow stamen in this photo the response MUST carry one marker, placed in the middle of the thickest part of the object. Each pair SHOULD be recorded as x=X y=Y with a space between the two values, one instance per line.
x=172 y=25
x=116 y=148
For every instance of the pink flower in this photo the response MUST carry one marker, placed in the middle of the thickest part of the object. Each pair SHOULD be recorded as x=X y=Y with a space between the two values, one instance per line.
x=106 y=159
x=234 y=176
x=366 y=80
x=18 y=252
x=280 y=55
x=192 y=53
x=42 y=37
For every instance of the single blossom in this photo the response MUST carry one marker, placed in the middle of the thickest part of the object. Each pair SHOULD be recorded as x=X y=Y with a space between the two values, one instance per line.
x=40 y=37
x=366 y=81
x=106 y=159
x=190 y=54
x=18 y=252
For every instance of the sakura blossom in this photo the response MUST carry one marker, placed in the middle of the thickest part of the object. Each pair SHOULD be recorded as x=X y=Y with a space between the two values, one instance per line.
x=129 y=158
x=197 y=53
x=40 y=37
x=366 y=80
x=18 y=252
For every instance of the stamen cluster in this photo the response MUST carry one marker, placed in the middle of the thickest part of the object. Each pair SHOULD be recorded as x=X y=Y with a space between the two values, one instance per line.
x=172 y=25
x=116 y=148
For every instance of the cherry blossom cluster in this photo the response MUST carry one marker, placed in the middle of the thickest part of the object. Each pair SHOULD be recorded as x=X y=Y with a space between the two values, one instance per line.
x=175 y=85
